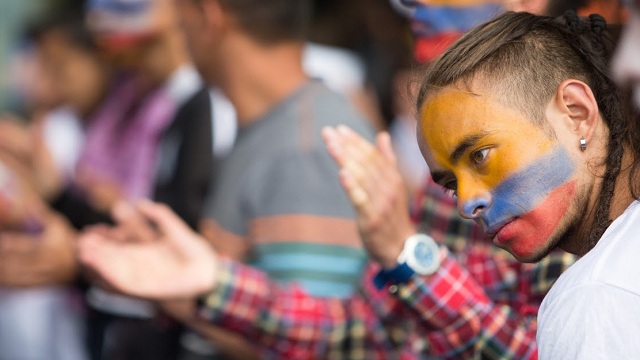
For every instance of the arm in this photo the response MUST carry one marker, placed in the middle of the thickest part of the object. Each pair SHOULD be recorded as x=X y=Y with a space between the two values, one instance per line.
x=179 y=264
x=286 y=319
x=232 y=345
x=290 y=323
x=298 y=221
x=459 y=320
x=448 y=310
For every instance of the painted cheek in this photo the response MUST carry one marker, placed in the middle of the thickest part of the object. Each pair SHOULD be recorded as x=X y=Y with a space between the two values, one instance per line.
x=523 y=191
x=531 y=233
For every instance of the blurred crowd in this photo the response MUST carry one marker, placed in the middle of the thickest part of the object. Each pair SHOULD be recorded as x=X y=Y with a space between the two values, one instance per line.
x=116 y=101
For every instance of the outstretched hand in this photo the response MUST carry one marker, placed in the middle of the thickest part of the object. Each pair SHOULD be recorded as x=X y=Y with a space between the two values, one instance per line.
x=151 y=254
x=373 y=182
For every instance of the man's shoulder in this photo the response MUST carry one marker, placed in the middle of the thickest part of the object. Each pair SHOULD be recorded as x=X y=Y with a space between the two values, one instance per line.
x=329 y=108
x=617 y=252
x=592 y=320
x=613 y=262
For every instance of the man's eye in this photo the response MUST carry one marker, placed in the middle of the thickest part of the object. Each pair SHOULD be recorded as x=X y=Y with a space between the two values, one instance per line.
x=479 y=156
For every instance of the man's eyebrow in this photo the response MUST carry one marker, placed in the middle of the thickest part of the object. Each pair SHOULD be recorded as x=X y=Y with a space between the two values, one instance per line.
x=467 y=142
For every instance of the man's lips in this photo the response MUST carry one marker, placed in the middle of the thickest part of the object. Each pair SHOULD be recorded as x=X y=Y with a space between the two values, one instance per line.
x=497 y=232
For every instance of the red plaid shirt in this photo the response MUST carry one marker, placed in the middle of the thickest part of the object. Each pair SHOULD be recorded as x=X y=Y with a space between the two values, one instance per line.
x=481 y=303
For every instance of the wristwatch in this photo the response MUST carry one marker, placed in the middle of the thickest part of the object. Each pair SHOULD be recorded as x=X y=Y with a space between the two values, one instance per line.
x=420 y=255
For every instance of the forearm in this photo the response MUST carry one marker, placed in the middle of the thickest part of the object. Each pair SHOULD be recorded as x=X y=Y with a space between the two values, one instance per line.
x=288 y=323
x=458 y=319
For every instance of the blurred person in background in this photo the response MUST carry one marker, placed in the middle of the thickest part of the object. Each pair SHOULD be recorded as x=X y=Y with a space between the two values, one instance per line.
x=41 y=317
x=40 y=313
x=276 y=201
x=626 y=67
x=149 y=136
x=402 y=130
x=355 y=47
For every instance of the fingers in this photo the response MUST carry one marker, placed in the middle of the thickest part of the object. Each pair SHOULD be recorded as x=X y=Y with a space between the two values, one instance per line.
x=358 y=196
x=168 y=222
x=364 y=167
x=343 y=151
x=109 y=232
x=132 y=224
x=334 y=145
x=374 y=185
x=383 y=142
x=98 y=256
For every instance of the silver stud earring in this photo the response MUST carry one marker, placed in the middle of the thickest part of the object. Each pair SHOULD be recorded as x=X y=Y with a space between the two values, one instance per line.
x=583 y=144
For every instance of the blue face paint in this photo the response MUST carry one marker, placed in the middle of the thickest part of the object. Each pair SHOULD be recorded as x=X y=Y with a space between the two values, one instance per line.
x=521 y=192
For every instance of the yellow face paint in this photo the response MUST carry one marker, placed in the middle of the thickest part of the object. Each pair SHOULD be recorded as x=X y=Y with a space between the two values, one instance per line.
x=452 y=115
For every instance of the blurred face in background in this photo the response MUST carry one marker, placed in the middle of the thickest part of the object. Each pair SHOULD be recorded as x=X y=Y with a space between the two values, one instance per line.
x=76 y=73
x=201 y=20
x=129 y=39
x=626 y=62
x=530 y=6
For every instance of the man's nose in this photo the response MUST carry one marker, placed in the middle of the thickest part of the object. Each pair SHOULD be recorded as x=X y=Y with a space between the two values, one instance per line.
x=473 y=206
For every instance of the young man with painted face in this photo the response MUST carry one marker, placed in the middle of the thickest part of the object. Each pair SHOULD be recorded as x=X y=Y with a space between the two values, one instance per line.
x=540 y=152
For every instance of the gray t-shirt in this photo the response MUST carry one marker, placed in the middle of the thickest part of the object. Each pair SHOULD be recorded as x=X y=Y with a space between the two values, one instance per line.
x=278 y=192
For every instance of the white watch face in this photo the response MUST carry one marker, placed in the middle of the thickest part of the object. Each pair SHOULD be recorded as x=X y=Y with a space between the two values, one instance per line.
x=422 y=254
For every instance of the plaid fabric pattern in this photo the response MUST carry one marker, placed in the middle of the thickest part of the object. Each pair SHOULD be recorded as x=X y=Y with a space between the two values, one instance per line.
x=480 y=304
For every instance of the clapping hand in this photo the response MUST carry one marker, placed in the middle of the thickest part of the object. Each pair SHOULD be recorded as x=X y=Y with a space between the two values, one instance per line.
x=373 y=182
x=151 y=254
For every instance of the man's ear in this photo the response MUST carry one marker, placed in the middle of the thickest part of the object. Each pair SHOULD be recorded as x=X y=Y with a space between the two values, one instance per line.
x=575 y=99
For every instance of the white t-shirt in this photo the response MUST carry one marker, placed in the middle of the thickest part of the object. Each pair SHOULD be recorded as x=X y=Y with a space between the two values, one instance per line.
x=593 y=310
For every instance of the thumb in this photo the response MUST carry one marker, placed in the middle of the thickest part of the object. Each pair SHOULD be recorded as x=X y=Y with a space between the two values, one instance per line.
x=383 y=142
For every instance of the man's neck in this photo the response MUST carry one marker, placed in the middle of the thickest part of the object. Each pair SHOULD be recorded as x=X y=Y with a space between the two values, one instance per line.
x=620 y=200
x=622 y=195
x=256 y=77
x=578 y=237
